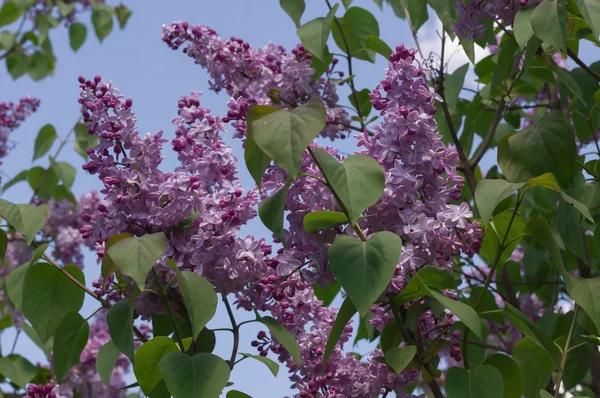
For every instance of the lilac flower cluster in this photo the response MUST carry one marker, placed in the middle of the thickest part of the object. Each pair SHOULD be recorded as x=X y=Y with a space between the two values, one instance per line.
x=474 y=15
x=11 y=117
x=250 y=76
x=421 y=181
x=200 y=206
x=43 y=391
x=83 y=380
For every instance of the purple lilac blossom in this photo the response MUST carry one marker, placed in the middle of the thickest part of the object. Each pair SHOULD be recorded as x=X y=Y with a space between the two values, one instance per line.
x=11 y=117
x=250 y=76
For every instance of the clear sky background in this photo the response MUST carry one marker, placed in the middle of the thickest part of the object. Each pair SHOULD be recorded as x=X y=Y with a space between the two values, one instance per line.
x=154 y=76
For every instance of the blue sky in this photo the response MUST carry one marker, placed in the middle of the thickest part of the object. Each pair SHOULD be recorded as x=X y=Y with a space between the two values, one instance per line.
x=154 y=76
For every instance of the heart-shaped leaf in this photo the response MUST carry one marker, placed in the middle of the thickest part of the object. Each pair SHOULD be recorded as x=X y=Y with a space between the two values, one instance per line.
x=199 y=297
x=119 y=319
x=106 y=361
x=26 y=219
x=201 y=376
x=358 y=182
x=364 y=269
x=147 y=358
x=484 y=381
x=256 y=160
x=284 y=135
x=70 y=340
x=18 y=369
x=48 y=295
x=134 y=257
x=512 y=377
x=399 y=357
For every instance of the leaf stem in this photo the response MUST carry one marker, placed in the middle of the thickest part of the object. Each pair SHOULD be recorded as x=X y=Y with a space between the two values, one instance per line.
x=563 y=359
x=163 y=294
x=236 y=332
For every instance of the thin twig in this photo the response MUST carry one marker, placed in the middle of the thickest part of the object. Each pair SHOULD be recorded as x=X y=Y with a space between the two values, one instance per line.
x=563 y=359
x=582 y=64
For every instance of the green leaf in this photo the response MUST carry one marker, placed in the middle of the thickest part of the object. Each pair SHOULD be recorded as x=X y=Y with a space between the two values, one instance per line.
x=17 y=64
x=374 y=43
x=40 y=65
x=484 y=381
x=522 y=26
x=293 y=8
x=398 y=358
x=356 y=25
x=106 y=361
x=284 y=135
x=416 y=12
x=64 y=8
x=495 y=235
x=465 y=313
x=18 y=369
x=135 y=257
x=428 y=277
x=549 y=22
x=590 y=10
x=506 y=58
x=547 y=146
x=271 y=211
x=364 y=269
x=32 y=334
x=119 y=319
x=122 y=12
x=7 y=40
x=199 y=297
x=70 y=340
x=536 y=365
x=48 y=295
x=549 y=181
x=43 y=182
x=538 y=228
x=346 y=312
x=77 y=35
x=201 y=376
x=147 y=358
x=319 y=220
x=453 y=85
x=284 y=337
x=489 y=193
x=586 y=293
x=26 y=219
x=237 y=394
x=256 y=160
x=533 y=332
x=545 y=394
x=83 y=140
x=328 y=293
x=108 y=266
x=3 y=246
x=389 y=337
x=314 y=34
x=512 y=377
x=9 y=13
x=102 y=21
x=272 y=365
x=22 y=176
x=570 y=82
x=64 y=171
x=364 y=102
x=44 y=140
x=358 y=182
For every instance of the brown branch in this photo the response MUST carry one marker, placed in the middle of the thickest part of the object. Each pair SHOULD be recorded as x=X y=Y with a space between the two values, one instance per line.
x=583 y=66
